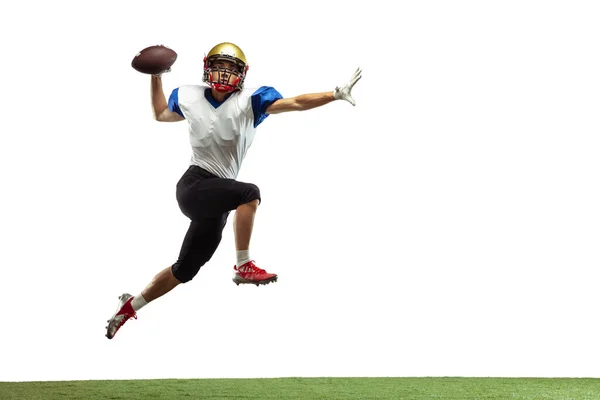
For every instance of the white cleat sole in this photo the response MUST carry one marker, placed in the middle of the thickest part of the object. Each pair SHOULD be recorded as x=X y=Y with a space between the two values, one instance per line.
x=114 y=321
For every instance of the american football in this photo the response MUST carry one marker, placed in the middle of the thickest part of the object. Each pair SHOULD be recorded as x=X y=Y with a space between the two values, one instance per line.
x=154 y=59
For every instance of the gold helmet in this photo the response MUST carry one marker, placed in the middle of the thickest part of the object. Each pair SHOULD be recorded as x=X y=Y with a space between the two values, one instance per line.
x=225 y=52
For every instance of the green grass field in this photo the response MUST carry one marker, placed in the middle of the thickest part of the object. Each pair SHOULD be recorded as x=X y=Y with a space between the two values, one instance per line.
x=310 y=388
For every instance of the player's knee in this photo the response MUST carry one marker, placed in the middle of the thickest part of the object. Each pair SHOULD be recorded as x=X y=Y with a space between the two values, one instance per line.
x=251 y=195
x=185 y=272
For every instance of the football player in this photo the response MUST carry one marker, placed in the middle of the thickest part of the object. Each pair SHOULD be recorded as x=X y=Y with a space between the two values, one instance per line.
x=222 y=118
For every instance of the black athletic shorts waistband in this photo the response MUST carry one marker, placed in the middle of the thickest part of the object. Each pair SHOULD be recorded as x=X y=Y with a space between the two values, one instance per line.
x=201 y=172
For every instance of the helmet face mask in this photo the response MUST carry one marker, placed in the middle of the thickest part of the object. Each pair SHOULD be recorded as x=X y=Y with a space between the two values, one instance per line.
x=225 y=68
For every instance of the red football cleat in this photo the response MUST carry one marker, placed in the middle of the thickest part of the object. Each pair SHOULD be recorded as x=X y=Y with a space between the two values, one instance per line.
x=250 y=273
x=124 y=312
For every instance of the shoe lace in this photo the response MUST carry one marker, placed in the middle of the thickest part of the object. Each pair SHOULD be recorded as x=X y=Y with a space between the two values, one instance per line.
x=257 y=270
x=251 y=267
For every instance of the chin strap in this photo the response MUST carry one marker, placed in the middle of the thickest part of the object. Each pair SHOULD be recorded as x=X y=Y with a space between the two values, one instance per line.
x=223 y=88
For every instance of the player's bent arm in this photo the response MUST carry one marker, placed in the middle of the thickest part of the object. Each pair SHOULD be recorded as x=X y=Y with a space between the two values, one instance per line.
x=160 y=108
x=300 y=103
x=167 y=115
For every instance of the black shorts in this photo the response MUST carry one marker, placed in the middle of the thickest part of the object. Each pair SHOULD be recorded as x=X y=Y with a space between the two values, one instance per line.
x=207 y=201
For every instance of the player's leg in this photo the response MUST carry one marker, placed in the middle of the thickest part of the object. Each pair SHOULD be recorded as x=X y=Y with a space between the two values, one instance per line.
x=200 y=243
x=160 y=285
x=195 y=251
x=243 y=224
x=245 y=270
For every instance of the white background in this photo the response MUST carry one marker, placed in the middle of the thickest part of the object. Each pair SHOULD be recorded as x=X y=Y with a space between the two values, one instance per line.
x=448 y=225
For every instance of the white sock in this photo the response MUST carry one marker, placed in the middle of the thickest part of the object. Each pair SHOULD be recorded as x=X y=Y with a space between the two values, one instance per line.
x=138 y=302
x=243 y=256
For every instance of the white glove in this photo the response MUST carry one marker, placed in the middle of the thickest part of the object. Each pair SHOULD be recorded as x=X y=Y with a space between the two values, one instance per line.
x=343 y=93
x=160 y=73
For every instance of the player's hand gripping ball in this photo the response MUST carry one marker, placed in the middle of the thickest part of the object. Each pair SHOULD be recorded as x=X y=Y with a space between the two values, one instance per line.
x=154 y=60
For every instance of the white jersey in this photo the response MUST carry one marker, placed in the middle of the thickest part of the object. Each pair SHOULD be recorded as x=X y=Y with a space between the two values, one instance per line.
x=221 y=133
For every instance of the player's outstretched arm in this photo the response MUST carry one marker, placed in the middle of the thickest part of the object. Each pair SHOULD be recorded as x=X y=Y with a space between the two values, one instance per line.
x=313 y=100
x=160 y=108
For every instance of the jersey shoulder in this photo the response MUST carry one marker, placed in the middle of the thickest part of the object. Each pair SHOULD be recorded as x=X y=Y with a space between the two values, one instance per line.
x=258 y=90
x=191 y=93
x=246 y=93
x=245 y=97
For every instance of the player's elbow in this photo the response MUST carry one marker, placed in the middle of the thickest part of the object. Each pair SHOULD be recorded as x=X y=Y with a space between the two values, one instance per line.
x=165 y=116
x=157 y=114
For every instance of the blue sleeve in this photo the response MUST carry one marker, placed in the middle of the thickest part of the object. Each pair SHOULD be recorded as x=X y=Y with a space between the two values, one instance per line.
x=261 y=99
x=174 y=102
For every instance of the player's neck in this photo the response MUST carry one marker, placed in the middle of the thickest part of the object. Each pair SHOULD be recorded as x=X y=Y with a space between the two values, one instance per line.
x=218 y=96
